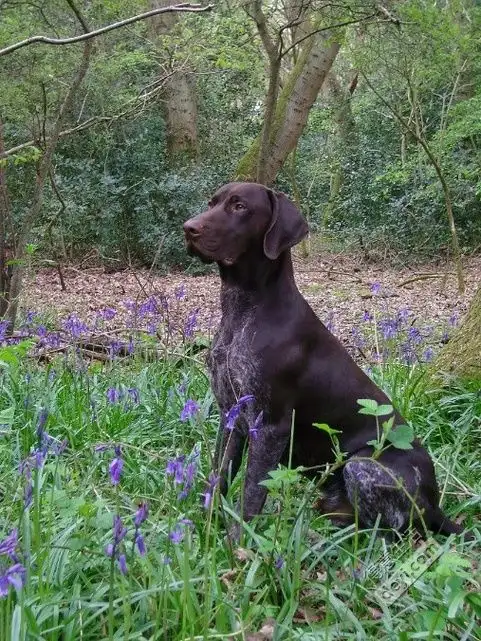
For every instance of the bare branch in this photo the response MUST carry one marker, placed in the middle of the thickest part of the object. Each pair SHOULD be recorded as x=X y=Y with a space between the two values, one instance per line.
x=184 y=7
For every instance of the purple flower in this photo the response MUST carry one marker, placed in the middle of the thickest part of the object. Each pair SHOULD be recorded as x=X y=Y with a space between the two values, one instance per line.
x=115 y=470
x=408 y=353
x=428 y=355
x=357 y=338
x=133 y=392
x=74 y=326
x=141 y=514
x=140 y=543
x=189 y=410
x=119 y=530
x=213 y=481
x=176 y=535
x=254 y=429
x=9 y=544
x=279 y=563
x=180 y=292
x=375 y=288
x=190 y=324
x=108 y=313
x=115 y=347
x=14 y=576
x=415 y=335
x=166 y=560
x=403 y=314
x=103 y=447
x=389 y=327
x=453 y=319
x=234 y=412
x=367 y=316
x=175 y=467
x=122 y=564
x=113 y=395
x=4 y=325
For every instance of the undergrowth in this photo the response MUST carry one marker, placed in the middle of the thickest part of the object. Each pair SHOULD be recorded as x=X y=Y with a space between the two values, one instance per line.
x=111 y=525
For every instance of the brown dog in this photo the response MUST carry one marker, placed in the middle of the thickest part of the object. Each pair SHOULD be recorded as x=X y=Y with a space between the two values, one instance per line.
x=272 y=356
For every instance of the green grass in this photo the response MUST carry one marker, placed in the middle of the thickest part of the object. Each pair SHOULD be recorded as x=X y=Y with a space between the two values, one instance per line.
x=293 y=575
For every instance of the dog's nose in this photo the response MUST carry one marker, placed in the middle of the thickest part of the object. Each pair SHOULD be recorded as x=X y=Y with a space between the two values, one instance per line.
x=191 y=229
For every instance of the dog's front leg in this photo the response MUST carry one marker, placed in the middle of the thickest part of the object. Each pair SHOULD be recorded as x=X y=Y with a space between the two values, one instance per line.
x=265 y=453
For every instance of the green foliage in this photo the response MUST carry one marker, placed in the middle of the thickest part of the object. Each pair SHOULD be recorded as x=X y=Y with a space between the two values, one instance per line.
x=312 y=578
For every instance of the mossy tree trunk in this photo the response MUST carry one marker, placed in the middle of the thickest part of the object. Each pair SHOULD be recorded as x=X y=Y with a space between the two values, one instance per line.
x=461 y=356
x=292 y=108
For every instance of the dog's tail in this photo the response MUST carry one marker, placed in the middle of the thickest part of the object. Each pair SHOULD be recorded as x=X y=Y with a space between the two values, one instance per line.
x=441 y=524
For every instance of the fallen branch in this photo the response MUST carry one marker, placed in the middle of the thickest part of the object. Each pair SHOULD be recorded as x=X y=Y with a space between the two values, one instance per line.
x=425 y=277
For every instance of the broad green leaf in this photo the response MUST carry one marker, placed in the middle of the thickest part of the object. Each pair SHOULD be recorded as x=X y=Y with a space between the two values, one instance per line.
x=401 y=437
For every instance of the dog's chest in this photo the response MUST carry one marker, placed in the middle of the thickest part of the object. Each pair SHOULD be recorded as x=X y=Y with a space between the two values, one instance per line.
x=233 y=365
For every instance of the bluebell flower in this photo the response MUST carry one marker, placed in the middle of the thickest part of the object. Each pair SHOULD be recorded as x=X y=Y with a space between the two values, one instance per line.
x=141 y=514
x=389 y=327
x=213 y=481
x=13 y=576
x=191 y=324
x=415 y=335
x=176 y=535
x=189 y=410
x=279 y=563
x=428 y=355
x=375 y=288
x=115 y=467
x=453 y=319
x=9 y=544
x=115 y=347
x=108 y=313
x=4 y=325
x=74 y=326
x=330 y=325
x=114 y=395
x=180 y=292
x=122 y=561
x=367 y=316
x=140 y=543
x=134 y=394
x=234 y=412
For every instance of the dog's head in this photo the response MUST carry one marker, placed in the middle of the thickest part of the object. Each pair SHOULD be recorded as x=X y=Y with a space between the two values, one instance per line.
x=243 y=216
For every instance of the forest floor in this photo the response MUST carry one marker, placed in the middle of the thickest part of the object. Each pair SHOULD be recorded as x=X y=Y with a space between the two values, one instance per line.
x=338 y=287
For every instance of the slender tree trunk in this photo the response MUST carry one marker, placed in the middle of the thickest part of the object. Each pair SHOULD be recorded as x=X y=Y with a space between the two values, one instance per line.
x=292 y=108
x=42 y=174
x=179 y=96
x=461 y=356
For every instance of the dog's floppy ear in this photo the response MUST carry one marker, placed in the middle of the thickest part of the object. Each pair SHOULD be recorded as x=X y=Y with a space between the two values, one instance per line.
x=287 y=227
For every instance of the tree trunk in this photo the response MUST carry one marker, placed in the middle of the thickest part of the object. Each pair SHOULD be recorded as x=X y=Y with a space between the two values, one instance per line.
x=179 y=96
x=292 y=109
x=461 y=356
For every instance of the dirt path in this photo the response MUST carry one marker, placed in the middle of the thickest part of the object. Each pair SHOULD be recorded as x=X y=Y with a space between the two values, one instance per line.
x=337 y=286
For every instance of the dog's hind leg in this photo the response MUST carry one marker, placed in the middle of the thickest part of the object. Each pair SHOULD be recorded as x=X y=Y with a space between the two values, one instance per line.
x=374 y=490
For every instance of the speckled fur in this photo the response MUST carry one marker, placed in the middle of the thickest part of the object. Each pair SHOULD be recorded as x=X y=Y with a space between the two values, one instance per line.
x=234 y=369
x=372 y=490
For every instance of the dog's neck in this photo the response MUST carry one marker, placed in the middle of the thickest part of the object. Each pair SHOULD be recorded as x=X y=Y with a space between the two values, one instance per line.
x=253 y=279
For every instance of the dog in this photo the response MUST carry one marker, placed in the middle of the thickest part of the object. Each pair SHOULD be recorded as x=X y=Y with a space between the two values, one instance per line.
x=273 y=359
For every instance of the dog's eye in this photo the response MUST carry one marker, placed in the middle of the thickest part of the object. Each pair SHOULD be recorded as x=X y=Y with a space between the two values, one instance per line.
x=238 y=207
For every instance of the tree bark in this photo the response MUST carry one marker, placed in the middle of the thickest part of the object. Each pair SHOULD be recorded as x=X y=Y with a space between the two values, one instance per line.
x=179 y=96
x=292 y=108
x=461 y=356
